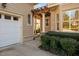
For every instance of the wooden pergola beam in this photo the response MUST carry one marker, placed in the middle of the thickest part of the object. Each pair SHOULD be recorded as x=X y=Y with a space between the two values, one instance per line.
x=37 y=12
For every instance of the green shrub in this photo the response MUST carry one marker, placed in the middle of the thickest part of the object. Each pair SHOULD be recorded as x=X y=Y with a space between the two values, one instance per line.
x=53 y=42
x=68 y=45
x=45 y=42
x=64 y=34
x=77 y=49
x=55 y=46
x=61 y=43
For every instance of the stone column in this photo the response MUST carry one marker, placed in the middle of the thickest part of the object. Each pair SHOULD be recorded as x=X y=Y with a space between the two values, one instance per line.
x=52 y=20
x=60 y=18
x=43 y=22
x=33 y=25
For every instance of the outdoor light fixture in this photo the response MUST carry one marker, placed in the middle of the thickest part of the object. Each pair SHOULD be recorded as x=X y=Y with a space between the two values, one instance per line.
x=4 y=5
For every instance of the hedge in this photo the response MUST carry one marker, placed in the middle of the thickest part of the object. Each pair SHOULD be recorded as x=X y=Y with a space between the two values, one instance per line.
x=45 y=42
x=60 y=43
x=64 y=34
x=68 y=45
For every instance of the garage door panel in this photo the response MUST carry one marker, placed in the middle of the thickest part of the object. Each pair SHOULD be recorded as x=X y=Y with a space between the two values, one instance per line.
x=9 y=32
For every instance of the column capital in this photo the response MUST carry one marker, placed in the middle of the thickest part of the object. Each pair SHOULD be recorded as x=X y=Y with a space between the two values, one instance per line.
x=43 y=13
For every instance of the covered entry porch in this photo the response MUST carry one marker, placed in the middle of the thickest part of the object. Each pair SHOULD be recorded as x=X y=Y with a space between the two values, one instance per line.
x=47 y=19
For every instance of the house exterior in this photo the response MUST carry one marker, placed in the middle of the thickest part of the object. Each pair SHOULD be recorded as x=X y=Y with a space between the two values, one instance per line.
x=60 y=17
x=20 y=20
x=14 y=23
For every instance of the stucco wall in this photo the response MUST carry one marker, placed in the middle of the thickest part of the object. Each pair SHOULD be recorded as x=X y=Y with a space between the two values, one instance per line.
x=23 y=9
x=69 y=6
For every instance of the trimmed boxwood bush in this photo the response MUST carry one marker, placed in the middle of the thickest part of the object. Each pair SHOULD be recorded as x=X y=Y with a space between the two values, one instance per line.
x=64 y=34
x=55 y=46
x=68 y=45
x=45 y=42
x=77 y=49
x=61 y=43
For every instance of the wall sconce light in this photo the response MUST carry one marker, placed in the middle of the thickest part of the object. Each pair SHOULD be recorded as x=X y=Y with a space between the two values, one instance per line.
x=4 y=5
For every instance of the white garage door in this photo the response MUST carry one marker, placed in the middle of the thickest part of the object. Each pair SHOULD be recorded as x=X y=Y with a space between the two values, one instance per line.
x=9 y=30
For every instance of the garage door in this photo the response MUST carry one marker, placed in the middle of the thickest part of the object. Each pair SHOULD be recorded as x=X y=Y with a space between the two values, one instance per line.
x=9 y=30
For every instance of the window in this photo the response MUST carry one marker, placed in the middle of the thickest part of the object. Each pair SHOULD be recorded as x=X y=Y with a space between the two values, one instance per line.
x=57 y=19
x=71 y=20
x=15 y=18
x=47 y=15
x=8 y=17
x=46 y=22
x=29 y=19
x=0 y=15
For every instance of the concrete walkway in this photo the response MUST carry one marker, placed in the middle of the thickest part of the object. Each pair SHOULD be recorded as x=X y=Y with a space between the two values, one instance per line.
x=29 y=48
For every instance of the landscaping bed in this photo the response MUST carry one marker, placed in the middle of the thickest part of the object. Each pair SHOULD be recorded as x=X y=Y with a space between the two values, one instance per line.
x=61 y=43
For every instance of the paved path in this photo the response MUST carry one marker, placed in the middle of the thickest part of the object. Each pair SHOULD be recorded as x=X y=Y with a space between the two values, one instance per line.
x=29 y=48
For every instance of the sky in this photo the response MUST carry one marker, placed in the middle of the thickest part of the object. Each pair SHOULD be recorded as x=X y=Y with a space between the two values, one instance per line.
x=40 y=5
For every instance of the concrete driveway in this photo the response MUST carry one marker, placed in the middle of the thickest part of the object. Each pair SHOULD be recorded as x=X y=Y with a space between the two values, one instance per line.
x=29 y=48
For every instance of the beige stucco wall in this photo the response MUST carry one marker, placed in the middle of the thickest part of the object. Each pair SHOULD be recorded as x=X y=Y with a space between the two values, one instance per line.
x=69 y=6
x=24 y=9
